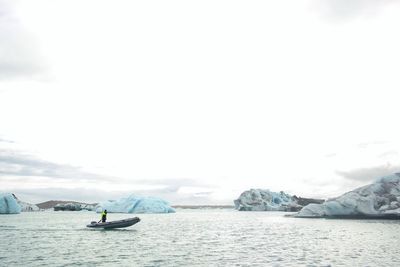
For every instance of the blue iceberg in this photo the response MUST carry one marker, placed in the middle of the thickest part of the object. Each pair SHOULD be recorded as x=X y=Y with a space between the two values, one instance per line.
x=136 y=204
x=8 y=204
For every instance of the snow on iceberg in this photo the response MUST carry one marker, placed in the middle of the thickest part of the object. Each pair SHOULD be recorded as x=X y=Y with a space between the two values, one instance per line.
x=136 y=204
x=8 y=204
x=379 y=199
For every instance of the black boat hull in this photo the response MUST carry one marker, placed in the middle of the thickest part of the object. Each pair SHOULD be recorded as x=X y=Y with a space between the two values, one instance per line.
x=115 y=224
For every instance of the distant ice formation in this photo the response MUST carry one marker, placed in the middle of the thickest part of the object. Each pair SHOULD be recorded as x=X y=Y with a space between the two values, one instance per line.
x=27 y=206
x=136 y=204
x=74 y=206
x=266 y=200
x=9 y=204
x=380 y=199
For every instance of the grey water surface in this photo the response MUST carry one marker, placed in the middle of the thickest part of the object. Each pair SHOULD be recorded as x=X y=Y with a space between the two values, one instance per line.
x=197 y=238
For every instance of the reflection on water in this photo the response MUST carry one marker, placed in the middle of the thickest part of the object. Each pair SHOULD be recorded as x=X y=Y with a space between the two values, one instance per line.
x=197 y=238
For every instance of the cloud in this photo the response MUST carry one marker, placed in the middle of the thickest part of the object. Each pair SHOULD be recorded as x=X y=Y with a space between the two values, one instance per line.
x=365 y=145
x=68 y=194
x=369 y=174
x=350 y=8
x=19 y=56
x=15 y=163
x=6 y=141
x=37 y=180
x=330 y=155
x=92 y=195
x=177 y=182
x=389 y=154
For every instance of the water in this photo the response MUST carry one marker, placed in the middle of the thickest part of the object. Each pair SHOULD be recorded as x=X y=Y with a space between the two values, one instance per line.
x=197 y=238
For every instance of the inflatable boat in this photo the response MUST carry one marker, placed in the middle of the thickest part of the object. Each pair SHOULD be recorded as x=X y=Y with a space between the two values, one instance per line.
x=114 y=224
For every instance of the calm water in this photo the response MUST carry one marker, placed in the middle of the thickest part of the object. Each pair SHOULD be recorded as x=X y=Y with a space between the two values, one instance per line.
x=197 y=238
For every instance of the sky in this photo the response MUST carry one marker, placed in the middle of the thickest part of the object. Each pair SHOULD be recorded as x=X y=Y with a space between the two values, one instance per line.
x=197 y=101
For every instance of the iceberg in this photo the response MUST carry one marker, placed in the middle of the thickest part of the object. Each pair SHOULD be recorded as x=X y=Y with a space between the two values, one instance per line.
x=136 y=204
x=67 y=206
x=25 y=207
x=263 y=200
x=378 y=200
x=74 y=206
x=9 y=204
x=266 y=200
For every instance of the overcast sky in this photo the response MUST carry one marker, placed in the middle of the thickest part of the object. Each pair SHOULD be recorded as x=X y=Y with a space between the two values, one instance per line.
x=197 y=101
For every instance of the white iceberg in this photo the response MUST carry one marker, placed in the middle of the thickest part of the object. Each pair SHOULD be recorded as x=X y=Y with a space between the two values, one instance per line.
x=62 y=205
x=379 y=199
x=67 y=206
x=136 y=204
x=266 y=200
x=263 y=200
x=25 y=207
x=8 y=204
x=74 y=206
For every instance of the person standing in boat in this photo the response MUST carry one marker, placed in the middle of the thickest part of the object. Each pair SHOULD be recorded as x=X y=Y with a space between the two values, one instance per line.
x=103 y=216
